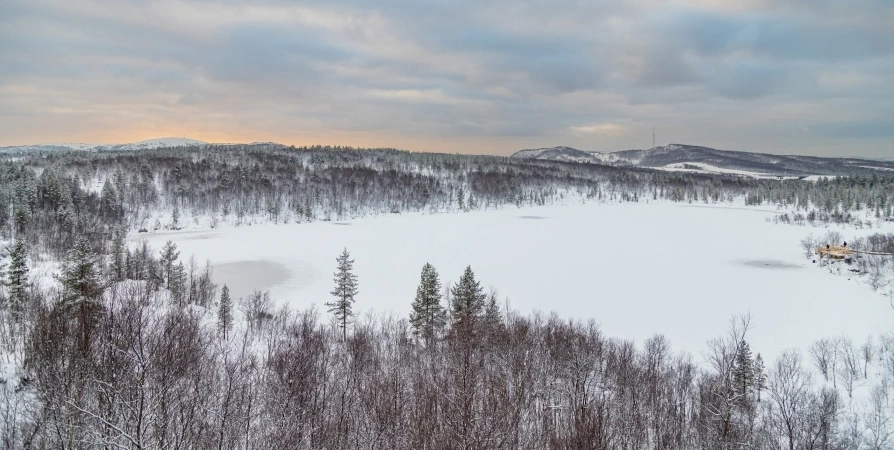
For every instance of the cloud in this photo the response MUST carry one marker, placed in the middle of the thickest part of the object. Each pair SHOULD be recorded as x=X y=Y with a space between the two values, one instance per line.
x=599 y=129
x=484 y=76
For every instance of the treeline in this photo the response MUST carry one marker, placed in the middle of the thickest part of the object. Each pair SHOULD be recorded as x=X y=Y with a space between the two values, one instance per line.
x=50 y=199
x=124 y=363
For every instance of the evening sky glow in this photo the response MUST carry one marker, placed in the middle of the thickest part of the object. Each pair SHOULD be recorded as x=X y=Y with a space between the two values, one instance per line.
x=791 y=76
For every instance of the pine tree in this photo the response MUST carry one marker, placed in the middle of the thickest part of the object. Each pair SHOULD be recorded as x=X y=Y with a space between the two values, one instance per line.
x=177 y=283
x=468 y=300
x=308 y=210
x=175 y=218
x=492 y=318
x=169 y=254
x=17 y=277
x=109 y=204
x=225 y=312
x=80 y=276
x=344 y=292
x=82 y=288
x=760 y=379
x=743 y=371
x=118 y=264
x=428 y=316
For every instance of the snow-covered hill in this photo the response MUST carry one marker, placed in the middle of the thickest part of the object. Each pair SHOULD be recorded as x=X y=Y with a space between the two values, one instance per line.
x=158 y=143
x=696 y=159
x=141 y=145
x=567 y=154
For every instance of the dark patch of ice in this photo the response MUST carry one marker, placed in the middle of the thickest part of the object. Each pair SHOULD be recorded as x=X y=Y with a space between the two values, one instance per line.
x=200 y=237
x=771 y=264
x=243 y=277
x=532 y=217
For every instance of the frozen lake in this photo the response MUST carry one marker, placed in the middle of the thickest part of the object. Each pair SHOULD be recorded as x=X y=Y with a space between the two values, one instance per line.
x=637 y=269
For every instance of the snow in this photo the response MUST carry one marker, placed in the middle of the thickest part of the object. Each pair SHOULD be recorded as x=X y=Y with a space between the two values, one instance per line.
x=708 y=168
x=711 y=169
x=637 y=269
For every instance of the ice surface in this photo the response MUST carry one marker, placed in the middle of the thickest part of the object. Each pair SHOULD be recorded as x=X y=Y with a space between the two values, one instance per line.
x=637 y=269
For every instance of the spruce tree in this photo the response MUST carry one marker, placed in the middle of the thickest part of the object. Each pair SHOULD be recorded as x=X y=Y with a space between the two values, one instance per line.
x=428 y=316
x=743 y=371
x=118 y=264
x=17 y=278
x=468 y=300
x=82 y=288
x=760 y=379
x=109 y=204
x=177 y=283
x=175 y=218
x=80 y=276
x=492 y=318
x=225 y=312
x=169 y=254
x=344 y=292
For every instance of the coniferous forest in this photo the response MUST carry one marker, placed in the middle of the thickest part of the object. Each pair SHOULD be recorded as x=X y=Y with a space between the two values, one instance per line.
x=130 y=347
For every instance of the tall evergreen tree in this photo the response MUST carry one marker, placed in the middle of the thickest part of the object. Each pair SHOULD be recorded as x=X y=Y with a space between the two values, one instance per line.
x=760 y=378
x=225 y=312
x=468 y=300
x=344 y=292
x=492 y=319
x=428 y=316
x=80 y=275
x=109 y=203
x=118 y=263
x=177 y=283
x=169 y=255
x=17 y=278
x=82 y=287
x=743 y=371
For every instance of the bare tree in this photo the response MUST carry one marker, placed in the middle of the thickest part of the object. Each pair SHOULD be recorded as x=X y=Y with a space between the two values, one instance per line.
x=848 y=371
x=789 y=389
x=867 y=350
x=879 y=426
x=822 y=353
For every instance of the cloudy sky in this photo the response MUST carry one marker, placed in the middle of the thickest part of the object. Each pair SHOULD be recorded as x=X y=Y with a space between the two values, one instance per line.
x=479 y=76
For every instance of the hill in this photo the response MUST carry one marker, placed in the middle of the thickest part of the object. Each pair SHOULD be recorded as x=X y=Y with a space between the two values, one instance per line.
x=692 y=158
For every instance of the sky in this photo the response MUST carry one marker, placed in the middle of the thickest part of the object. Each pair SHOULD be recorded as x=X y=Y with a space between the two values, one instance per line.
x=480 y=76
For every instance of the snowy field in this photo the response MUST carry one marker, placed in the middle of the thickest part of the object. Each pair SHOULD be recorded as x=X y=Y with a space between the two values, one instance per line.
x=637 y=269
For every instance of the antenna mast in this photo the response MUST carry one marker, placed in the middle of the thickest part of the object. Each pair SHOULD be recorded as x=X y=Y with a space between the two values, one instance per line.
x=653 y=137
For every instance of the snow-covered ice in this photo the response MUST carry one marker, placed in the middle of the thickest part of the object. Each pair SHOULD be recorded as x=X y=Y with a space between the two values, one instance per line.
x=637 y=269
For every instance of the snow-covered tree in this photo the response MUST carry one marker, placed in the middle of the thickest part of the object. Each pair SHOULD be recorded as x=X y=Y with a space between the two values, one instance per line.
x=468 y=300
x=118 y=259
x=82 y=288
x=178 y=283
x=225 y=312
x=169 y=255
x=743 y=371
x=109 y=201
x=17 y=277
x=344 y=292
x=760 y=377
x=428 y=316
x=80 y=275
x=492 y=318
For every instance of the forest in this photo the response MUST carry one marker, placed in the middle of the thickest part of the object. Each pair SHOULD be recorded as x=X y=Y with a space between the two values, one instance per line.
x=51 y=198
x=129 y=347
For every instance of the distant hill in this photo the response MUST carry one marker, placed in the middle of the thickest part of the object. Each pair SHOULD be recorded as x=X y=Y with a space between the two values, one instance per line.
x=692 y=158
x=142 y=145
